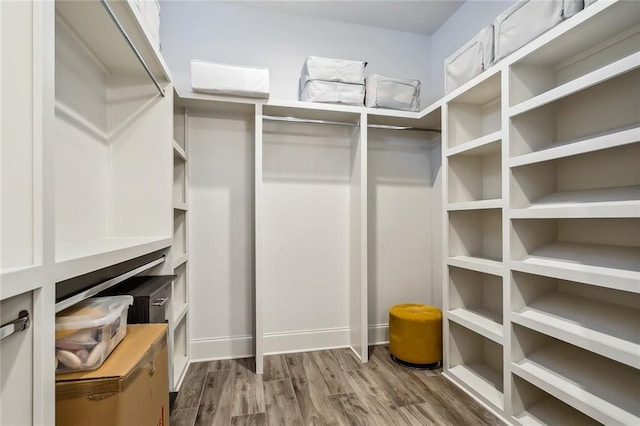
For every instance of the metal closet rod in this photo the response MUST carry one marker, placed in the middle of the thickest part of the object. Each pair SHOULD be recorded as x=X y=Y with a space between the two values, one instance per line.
x=345 y=123
x=131 y=45
x=64 y=304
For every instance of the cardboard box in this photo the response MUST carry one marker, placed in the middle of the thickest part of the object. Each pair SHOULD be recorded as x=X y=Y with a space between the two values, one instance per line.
x=130 y=388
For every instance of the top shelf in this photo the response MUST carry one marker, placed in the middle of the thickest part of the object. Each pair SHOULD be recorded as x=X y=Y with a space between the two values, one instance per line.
x=482 y=92
x=600 y=21
x=92 y=23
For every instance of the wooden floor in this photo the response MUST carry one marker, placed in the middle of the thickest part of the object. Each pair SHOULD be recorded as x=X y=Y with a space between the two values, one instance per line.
x=322 y=388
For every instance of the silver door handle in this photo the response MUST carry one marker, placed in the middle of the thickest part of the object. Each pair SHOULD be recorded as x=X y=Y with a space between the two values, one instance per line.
x=160 y=302
x=17 y=325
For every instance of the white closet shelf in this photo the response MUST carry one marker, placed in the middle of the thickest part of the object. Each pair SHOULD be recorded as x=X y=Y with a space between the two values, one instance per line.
x=475 y=205
x=180 y=260
x=569 y=148
x=429 y=117
x=179 y=151
x=488 y=144
x=479 y=90
x=92 y=22
x=20 y=280
x=488 y=266
x=313 y=111
x=608 y=202
x=605 y=266
x=79 y=258
x=480 y=320
x=179 y=312
x=603 y=389
x=604 y=328
x=600 y=21
x=480 y=380
x=551 y=411
x=180 y=206
x=593 y=78
x=189 y=99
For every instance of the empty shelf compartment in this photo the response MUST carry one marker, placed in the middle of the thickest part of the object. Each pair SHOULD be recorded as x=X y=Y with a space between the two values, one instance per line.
x=599 y=319
x=601 y=388
x=475 y=174
x=475 y=301
x=476 y=234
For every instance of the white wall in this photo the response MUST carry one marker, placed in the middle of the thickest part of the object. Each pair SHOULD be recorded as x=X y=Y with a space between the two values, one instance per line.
x=465 y=23
x=234 y=34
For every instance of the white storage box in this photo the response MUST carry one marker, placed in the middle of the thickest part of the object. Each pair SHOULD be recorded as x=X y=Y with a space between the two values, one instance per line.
x=527 y=19
x=338 y=70
x=392 y=93
x=470 y=60
x=589 y=2
x=87 y=332
x=332 y=92
x=234 y=80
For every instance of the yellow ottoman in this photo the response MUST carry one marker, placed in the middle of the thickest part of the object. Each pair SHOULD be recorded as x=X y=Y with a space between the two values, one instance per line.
x=415 y=335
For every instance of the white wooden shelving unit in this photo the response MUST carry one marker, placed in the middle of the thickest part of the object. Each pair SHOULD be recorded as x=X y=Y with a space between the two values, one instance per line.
x=86 y=170
x=558 y=307
x=179 y=322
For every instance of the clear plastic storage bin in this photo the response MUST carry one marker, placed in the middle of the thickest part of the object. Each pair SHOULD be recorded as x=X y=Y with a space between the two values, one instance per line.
x=87 y=332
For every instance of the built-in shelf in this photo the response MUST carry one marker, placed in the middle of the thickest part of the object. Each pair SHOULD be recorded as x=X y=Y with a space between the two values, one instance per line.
x=475 y=174
x=578 y=116
x=481 y=146
x=482 y=321
x=76 y=259
x=568 y=148
x=475 y=205
x=608 y=266
x=179 y=312
x=593 y=78
x=475 y=302
x=180 y=351
x=180 y=206
x=179 y=261
x=179 y=151
x=487 y=266
x=534 y=407
x=601 y=320
x=179 y=367
x=476 y=363
x=476 y=233
x=603 y=389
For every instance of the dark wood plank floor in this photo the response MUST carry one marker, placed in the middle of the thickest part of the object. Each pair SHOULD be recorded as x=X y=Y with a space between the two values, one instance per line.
x=322 y=388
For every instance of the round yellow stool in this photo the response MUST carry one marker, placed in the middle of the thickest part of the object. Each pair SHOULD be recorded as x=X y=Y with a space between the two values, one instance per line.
x=415 y=335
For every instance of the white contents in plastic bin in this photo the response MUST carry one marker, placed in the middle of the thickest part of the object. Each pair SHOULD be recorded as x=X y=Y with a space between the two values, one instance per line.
x=392 y=93
x=89 y=331
x=470 y=60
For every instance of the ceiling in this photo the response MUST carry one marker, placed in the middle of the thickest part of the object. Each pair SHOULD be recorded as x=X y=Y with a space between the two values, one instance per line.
x=419 y=16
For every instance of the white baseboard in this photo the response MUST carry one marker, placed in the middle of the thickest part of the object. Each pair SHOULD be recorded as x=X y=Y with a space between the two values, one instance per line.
x=378 y=334
x=282 y=342
x=306 y=340
x=221 y=348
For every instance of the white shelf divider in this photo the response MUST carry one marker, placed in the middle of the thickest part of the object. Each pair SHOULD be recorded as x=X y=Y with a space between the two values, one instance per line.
x=180 y=206
x=475 y=205
x=604 y=328
x=603 y=389
x=179 y=314
x=481 y=381
x=593 y=78
x=177 y=149
x=613 y=267
x=480 y=146
x=180 y=260
x=569 y=148
x=478 y=264
x=480 y=320
x=552 y=410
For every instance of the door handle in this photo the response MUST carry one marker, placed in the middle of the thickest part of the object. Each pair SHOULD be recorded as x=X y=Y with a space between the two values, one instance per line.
x=160 y=301
x=17 y=325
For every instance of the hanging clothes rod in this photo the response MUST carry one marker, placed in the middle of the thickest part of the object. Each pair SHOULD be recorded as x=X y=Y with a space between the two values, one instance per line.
x=309 y=121
x=345 y=123
x=132 y=46
x=390 y=127
x=64 y=304
x=17 y=325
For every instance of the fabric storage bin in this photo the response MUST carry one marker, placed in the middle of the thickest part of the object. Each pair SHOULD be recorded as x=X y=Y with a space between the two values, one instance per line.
x=392 y=93
x=589 y=2
x=332 y=92
x=338 y=70
x=208 y=77
x=88 y=331
x=470 y=60
x=527 y=19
